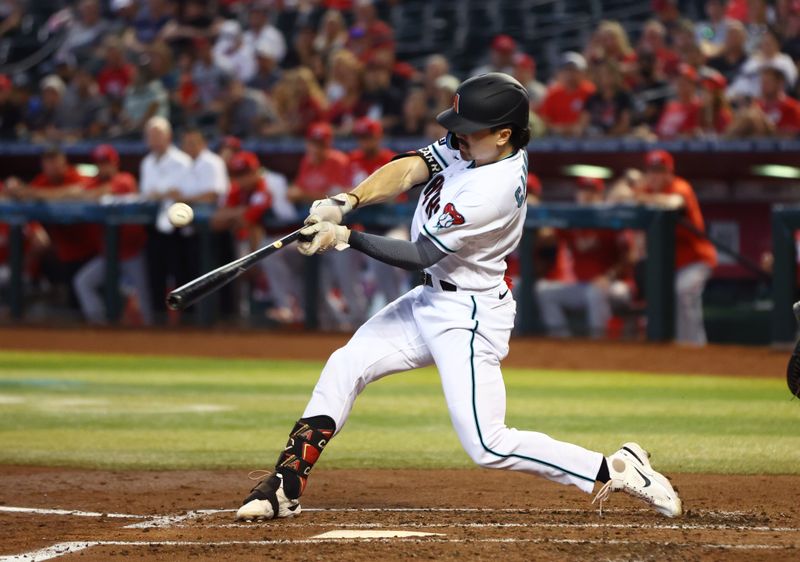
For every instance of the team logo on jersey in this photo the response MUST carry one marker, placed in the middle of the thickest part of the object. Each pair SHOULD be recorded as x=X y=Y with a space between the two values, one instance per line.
x=456 y=102
x=449 y=217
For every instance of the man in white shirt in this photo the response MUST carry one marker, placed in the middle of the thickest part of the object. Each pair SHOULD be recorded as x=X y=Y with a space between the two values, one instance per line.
x=260 y=32
x=233 y=54
x=162 y=175
x=207 y=178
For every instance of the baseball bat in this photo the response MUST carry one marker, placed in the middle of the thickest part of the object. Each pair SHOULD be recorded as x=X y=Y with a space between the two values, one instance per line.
x=196 y=289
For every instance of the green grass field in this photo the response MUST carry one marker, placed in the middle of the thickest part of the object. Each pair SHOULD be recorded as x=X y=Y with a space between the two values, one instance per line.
x=161 y=413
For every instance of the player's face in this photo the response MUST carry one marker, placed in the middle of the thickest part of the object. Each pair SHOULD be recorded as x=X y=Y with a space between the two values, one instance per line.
x=657 y=179
x=484 y=146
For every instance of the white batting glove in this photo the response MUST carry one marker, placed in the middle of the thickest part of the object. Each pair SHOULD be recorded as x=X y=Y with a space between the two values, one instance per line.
x=326 y=235
x=331 y=209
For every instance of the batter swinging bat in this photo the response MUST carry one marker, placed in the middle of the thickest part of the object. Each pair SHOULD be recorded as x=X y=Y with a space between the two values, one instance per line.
x=196 y=289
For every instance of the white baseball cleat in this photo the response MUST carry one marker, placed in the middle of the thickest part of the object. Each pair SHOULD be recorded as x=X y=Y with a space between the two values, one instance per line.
x=268 y=501
x=631 y=472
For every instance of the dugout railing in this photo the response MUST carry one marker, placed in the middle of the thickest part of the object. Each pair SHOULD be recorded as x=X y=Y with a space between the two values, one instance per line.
x=658 y=226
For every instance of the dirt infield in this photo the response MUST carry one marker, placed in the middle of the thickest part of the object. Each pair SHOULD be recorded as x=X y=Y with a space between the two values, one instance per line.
x=480 y=514
x=71 y=514
x=525 y=352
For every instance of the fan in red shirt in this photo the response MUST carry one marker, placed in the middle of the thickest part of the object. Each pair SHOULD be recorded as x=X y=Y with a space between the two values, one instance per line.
x=695 y=256
x=247 y=201
x=370 y=155
x=601 y=264
x=681 y=116
x=781 y=112
x=116 y=75
x=323 y=169
x=563 y=103
x=90 y=279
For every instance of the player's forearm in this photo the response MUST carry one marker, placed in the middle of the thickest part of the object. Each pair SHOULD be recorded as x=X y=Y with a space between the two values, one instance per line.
x=391 y=180
x=412 y=256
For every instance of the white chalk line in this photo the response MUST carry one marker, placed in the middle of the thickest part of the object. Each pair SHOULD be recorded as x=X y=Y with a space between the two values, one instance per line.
x=70 y=512
x=64 y=548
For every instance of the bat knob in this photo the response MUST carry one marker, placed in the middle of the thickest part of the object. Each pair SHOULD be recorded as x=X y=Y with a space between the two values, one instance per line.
x=796 y=310
x=174 y=302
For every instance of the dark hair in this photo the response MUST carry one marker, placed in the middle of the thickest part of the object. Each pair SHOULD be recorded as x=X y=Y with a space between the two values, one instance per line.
x=519 y=137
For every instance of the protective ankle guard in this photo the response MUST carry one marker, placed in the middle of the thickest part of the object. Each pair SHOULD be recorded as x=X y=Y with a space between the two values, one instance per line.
x=305 y=445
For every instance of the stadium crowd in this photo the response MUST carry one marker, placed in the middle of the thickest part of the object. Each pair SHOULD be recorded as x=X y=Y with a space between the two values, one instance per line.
x=224 y=72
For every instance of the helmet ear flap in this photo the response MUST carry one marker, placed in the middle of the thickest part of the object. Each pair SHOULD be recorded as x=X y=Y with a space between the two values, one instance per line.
x=451 y=140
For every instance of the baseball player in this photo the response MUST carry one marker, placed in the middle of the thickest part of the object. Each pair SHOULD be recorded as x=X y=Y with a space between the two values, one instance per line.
x=469 y=217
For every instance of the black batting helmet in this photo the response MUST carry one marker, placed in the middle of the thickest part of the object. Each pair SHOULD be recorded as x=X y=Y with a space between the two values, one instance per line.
x=486 y=101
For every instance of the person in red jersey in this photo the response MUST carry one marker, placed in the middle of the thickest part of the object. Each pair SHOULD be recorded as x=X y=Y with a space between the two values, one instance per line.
x=323 y=169
x=601 y=261
x=695 y=256
x=247 y=201
x=90 y=279
x=681 y=117
x=74 y=244
x=564 y=101
x=774 y=114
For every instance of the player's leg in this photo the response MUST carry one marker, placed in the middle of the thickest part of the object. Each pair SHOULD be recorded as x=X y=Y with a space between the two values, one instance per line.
x=598 y=309
x=467 y=350
x=553 y=298
x=690 y=281
x=134 y=270
x=387 y=343
x=86 y=284
x=284 y=273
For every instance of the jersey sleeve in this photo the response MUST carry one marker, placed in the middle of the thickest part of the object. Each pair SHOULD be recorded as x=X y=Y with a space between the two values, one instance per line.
x=437 y=156
x=465 y=217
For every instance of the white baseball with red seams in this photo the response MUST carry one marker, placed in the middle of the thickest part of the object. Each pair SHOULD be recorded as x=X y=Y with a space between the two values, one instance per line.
x=475 y=215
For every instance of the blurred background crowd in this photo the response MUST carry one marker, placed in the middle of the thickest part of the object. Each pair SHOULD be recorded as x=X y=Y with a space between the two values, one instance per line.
x=198 y=80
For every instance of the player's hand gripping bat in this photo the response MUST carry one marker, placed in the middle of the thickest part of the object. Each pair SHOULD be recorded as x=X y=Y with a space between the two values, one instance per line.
x=206 y=284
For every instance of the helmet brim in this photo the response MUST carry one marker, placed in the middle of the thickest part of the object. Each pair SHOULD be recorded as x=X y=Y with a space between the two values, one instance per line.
x=455 y=123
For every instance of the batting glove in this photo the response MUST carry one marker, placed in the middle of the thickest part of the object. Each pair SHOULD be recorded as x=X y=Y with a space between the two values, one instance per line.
x=326 y=235
x=331 y=209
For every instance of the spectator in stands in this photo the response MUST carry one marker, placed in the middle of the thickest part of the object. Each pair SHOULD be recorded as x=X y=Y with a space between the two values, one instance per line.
x=75 y=244
x=245 y=111
x=717 y=114
x=323 y=169
x=10 y=110
x=525 y=72
x=607 y=112
x=162 y=175
x=415 y=117
x=791 y=34
x=562 y=105
x=501 y=56
x=149 y=24
x=232 y=54
x=760 y=16
x=206 y=180
x=116 y=74
x=90 y=279
x=261 y=33
x=84 y=110
x=601 y=260
x=207 y=77
x=682 y=116
x=747 y=84
x=733 y=53
x=610 y=42
x=268 y=73
x=332 y=35
x=376 y=32
x=345 y=79
x=161 y=64
x=123 y=15
x=446 y=87
x=42 y=119
x=695 y=256
x=654 y=42
x=711 y=34
x=773 y=114
x=85 y=32
x=381 y=99
x=195 y=21
x=436 y=65
x=144 y=99
x=299 y=102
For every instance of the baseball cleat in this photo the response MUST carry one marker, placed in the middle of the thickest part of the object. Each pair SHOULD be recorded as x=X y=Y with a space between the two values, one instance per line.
x=268 y=501
x=631 y=472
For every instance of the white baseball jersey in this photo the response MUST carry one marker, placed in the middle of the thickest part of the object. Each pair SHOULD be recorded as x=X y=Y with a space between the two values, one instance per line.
x=473 y=214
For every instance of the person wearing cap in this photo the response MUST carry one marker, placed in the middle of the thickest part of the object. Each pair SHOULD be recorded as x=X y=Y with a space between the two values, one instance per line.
x=681 y=117
x=261 y=35
x=564 y=101
x=469 y=217
x=43 y=121
x=602 y=260
x=501 y=56
x=695 y=256
x=774 y=114
x=232 y=54
x=89 y=280
x=747 y=83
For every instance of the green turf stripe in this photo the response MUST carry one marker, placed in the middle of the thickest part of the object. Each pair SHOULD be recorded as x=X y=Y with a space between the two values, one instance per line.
x=475 y=408
x=438 y=242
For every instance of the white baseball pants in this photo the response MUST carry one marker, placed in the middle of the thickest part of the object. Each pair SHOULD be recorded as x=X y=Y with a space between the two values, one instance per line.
x=92 y=276
x=690 y=282
x=466 y=337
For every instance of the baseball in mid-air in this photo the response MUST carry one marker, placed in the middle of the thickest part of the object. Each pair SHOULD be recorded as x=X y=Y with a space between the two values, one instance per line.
x=180 y=214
